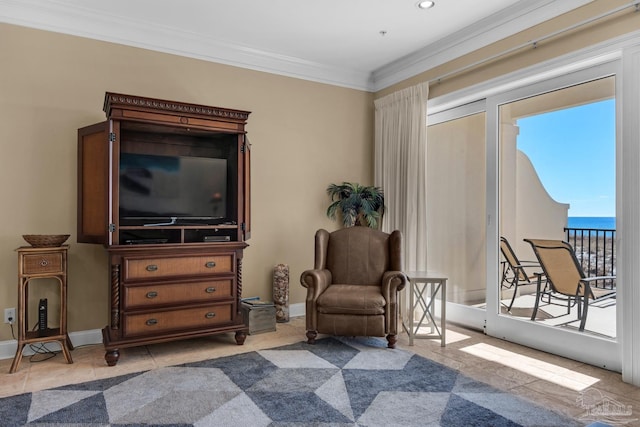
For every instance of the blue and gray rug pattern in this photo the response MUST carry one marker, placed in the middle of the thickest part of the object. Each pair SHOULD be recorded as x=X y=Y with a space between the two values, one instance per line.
x=337 y=382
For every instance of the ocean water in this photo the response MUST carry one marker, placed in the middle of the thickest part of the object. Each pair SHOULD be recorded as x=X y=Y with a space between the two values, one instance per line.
x=600 y=222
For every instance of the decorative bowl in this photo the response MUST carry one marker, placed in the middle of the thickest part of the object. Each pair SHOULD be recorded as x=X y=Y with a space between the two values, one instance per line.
x=45 y=240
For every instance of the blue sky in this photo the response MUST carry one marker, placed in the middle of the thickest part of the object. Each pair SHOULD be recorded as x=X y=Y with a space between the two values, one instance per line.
x=573 y=151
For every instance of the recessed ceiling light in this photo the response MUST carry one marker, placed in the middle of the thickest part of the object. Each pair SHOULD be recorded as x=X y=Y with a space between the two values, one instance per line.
x=426 y=4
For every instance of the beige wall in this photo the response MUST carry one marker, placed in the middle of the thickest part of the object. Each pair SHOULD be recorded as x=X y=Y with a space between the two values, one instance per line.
x=304 y=136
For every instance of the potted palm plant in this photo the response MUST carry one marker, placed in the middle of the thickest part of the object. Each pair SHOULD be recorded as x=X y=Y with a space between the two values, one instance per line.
x=357 y=204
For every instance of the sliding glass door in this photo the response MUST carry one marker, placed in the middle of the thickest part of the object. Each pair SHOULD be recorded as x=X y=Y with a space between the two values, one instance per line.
x=552 y=176
x=534 y=161
x=456 y=193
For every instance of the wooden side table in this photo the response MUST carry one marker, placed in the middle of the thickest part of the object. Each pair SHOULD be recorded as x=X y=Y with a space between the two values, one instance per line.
x=41 y=263
x=423 y=288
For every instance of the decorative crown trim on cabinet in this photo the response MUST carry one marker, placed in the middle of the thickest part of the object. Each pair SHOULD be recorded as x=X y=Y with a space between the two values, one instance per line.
x=114 y=99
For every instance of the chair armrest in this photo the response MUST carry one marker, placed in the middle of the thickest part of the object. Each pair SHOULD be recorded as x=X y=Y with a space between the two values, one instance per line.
x=588 y=280
x=392 y=283
x=528 y=264
x=541 y=277
x=594 y=278
x=316 y=281
x=599 y=293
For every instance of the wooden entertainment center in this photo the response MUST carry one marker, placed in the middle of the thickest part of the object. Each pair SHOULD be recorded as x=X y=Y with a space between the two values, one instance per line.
x=165 y=187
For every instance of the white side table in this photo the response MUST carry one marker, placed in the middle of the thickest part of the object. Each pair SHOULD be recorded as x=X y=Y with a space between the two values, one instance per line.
x=424 y=286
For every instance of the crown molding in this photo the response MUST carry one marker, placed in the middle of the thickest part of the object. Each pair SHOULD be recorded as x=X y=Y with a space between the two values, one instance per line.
x=507 y=22
x=58 y=17
x=588 y=57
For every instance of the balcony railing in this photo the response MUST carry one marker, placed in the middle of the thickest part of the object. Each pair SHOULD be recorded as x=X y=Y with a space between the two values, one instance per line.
x=595 y=249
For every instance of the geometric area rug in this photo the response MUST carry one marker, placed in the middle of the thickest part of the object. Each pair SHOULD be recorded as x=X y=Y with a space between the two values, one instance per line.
x=336 y=382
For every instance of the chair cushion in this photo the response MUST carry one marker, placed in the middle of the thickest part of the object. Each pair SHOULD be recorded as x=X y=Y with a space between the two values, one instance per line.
x=351 y=299
x=358 y=255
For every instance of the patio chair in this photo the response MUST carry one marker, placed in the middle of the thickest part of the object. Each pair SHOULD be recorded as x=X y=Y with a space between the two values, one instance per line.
x=565 y=279
x=514 y=271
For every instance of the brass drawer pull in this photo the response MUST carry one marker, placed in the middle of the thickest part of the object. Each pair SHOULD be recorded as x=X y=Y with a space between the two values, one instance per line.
x=152 y=294
x=44 y=262
x=152 y=267
x=210 y=315
x=152 y=322
x=210 y=290
x=210 y=264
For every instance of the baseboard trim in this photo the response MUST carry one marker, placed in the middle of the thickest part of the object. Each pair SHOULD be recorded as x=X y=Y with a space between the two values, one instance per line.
x=94 y=336
x=297 y=310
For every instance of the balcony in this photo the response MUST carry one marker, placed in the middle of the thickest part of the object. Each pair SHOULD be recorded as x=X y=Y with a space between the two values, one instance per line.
x=595 y=250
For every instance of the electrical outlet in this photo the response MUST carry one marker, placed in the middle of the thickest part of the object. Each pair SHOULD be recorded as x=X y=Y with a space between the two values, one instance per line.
x=9 y=315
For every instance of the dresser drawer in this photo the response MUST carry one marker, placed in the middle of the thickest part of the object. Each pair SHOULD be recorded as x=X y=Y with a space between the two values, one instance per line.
x=177 y=293
x=174 y=320
x=168 y=267
x=42 y=263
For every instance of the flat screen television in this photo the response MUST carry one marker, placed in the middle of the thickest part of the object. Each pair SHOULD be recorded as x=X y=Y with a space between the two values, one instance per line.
x=157 y=189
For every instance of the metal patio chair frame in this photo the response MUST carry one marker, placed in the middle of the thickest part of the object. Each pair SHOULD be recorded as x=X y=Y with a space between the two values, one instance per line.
x=514 y=271
x=565 y=278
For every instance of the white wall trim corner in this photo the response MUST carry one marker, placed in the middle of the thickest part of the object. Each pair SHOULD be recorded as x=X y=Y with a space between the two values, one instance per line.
x=629 y=217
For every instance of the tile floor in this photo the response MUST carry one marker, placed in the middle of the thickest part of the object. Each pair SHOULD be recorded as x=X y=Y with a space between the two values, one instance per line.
x=562 y=384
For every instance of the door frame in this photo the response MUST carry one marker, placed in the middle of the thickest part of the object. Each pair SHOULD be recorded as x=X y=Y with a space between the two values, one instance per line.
x=609 y=52
x=563 y=342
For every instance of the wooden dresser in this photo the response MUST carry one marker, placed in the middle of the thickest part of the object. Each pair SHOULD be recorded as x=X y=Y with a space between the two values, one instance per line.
x=164 y=293
x=171 y=276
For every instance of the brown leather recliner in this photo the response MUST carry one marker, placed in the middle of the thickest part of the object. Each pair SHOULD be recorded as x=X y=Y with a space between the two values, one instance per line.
x=352 y=290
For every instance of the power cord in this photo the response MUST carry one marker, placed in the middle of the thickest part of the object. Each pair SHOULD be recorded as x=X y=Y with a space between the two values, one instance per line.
x=40 y=351
x=10 y=319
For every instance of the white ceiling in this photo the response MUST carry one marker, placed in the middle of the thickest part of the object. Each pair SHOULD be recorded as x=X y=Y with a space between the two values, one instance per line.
x=338 y=42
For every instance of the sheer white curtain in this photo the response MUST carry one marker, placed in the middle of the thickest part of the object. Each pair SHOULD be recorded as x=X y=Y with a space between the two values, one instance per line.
x=400 y=168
